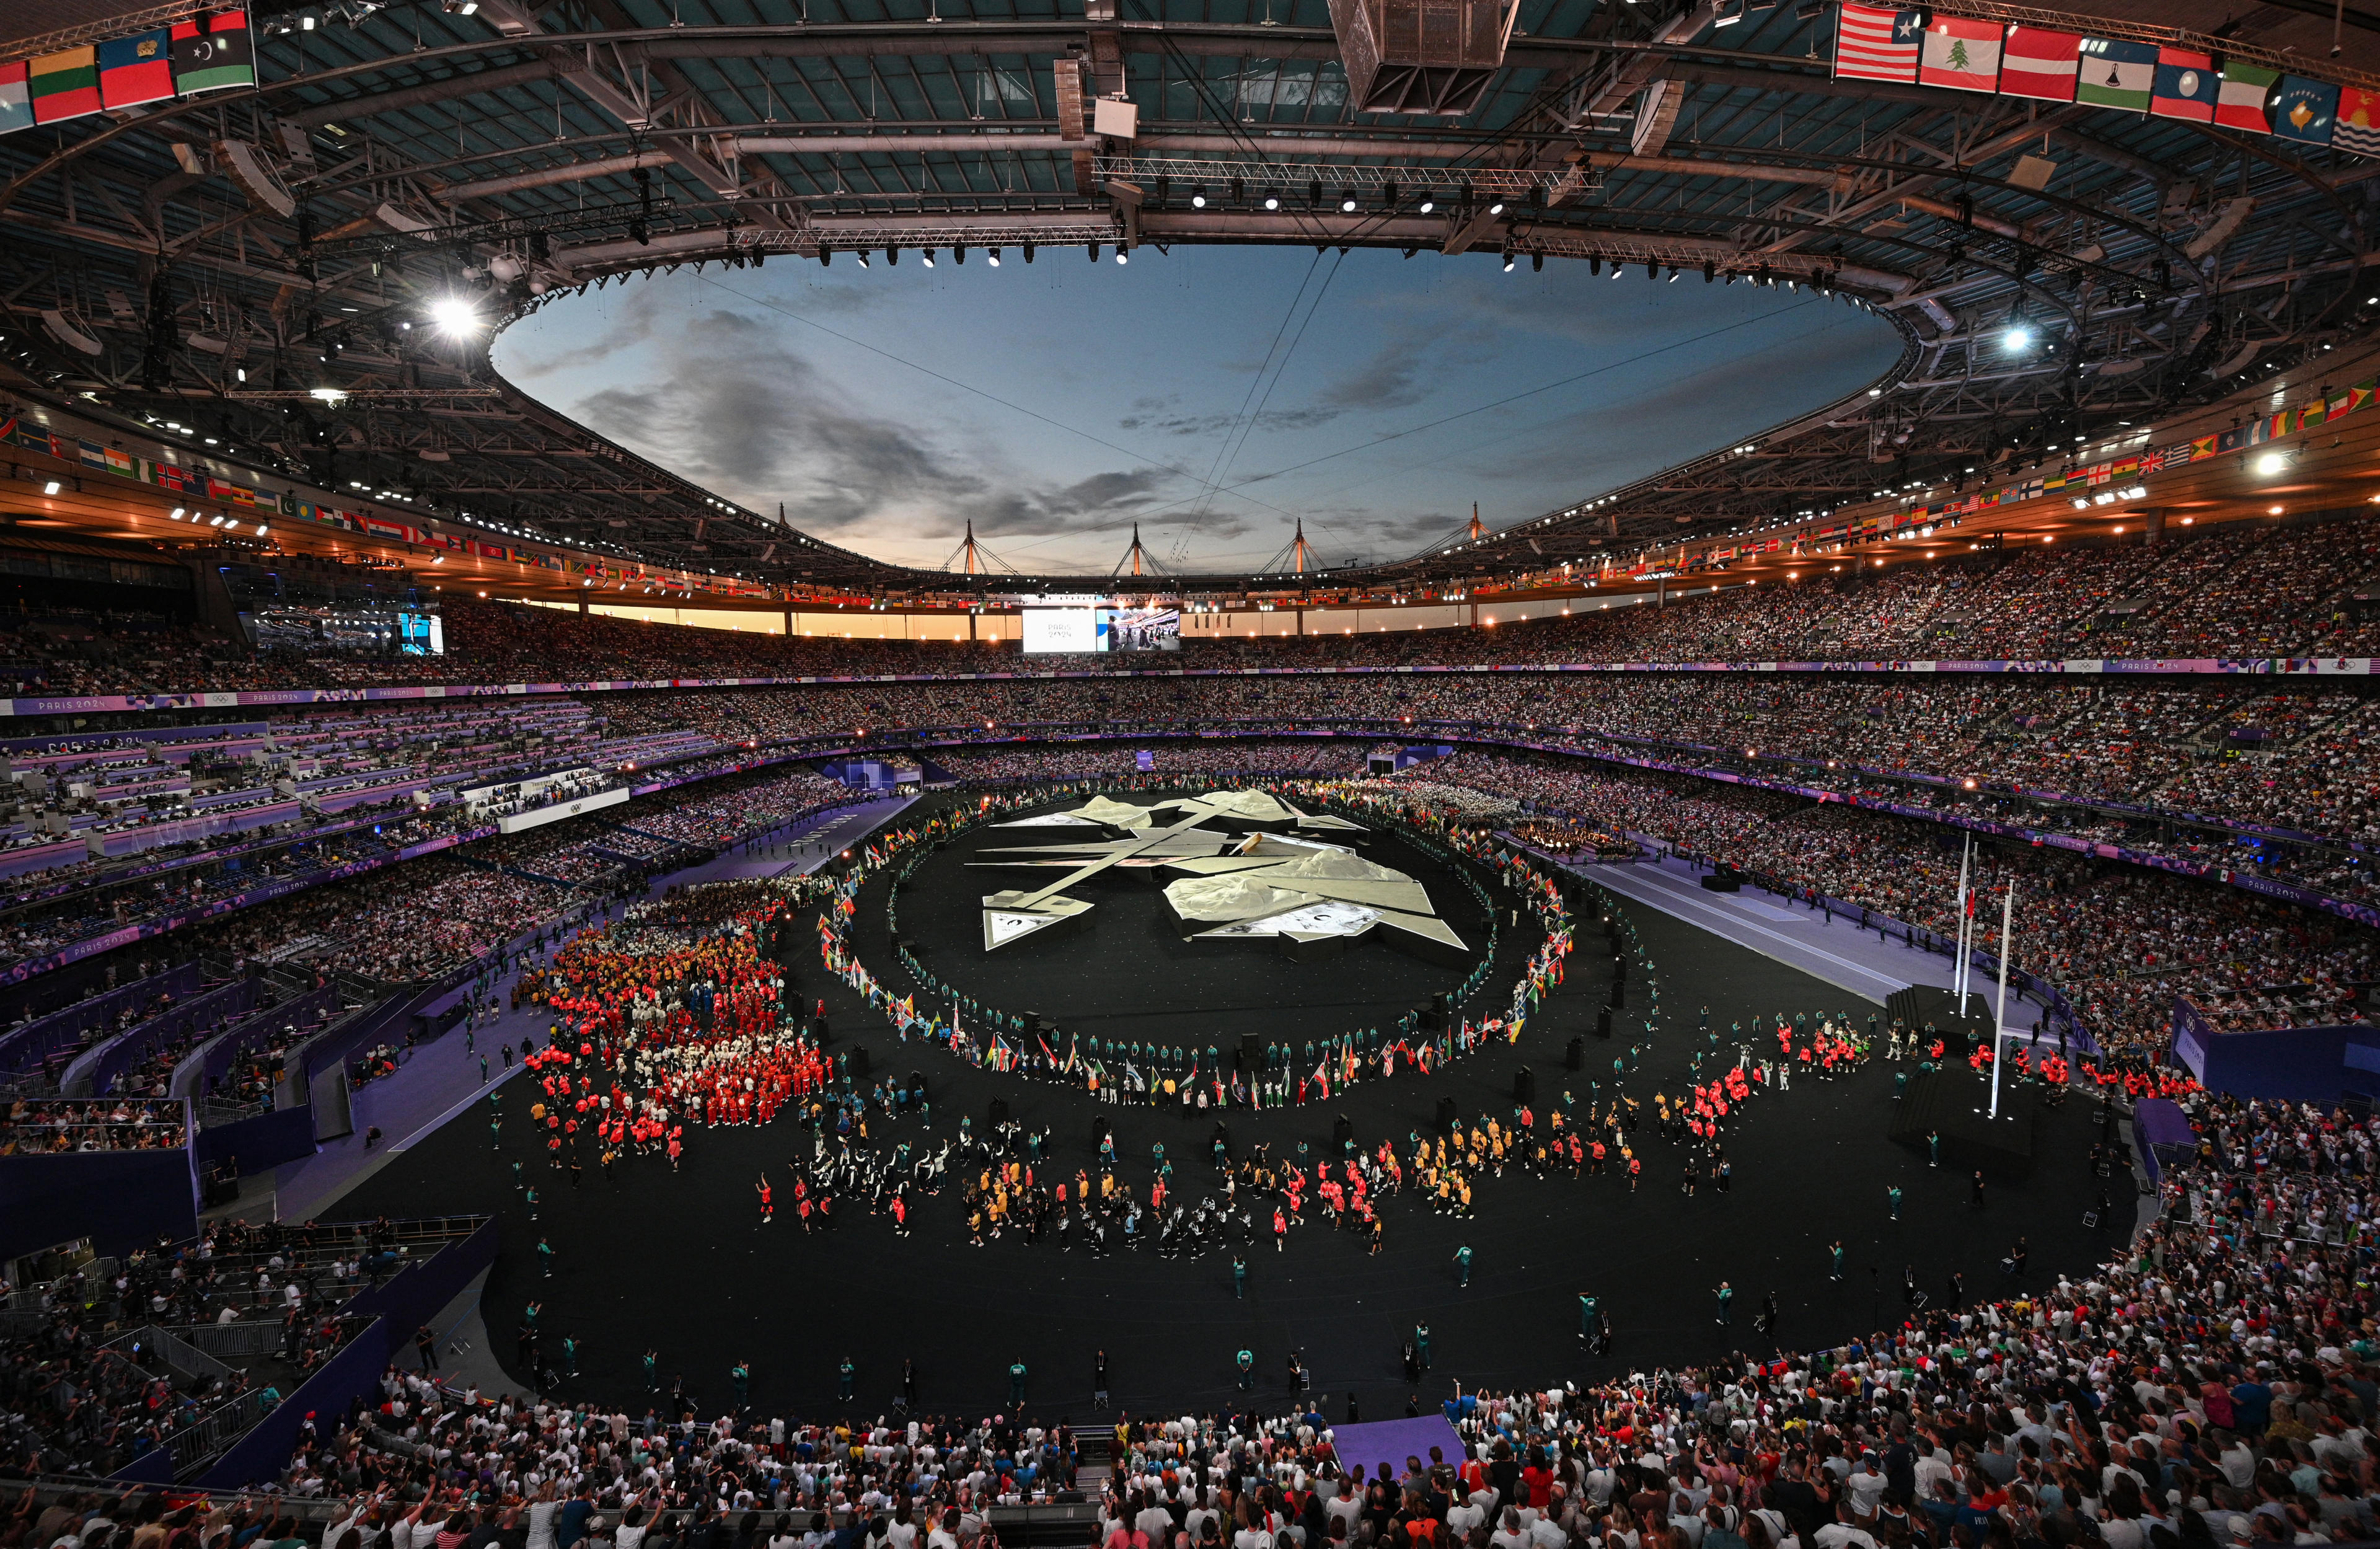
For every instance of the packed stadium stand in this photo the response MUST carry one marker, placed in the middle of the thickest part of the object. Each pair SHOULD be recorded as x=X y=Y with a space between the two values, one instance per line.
x=506 y=1038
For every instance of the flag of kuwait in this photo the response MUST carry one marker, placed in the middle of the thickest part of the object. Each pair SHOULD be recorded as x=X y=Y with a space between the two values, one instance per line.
x=16 y=99
x=2186 y=84
x=2116 y=74
x=2039 y=62
x=2240 y=103
x=1961 y=54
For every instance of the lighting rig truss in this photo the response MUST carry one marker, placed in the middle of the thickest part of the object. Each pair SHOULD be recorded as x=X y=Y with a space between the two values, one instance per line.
x=512 y=228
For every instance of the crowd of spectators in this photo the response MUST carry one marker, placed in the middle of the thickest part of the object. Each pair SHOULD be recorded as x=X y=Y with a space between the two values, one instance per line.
x=80 y=1393
x=29 y=1128
x=2211 y=1385
x=1319 y=758
x=2242 y=589
x=459 y=905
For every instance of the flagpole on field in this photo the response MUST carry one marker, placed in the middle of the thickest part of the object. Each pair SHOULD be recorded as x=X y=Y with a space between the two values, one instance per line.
x=2000 y=1020
x=1958 y=969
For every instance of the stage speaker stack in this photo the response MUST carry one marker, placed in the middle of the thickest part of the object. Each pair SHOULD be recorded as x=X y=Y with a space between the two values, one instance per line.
x=817 y=1029
x=859 y=1062
x=1442 y=1003
x=998 y=1115
x=1343 y=1133
x=1445 y=1119
x=1524 y=1086
x=1251 y=1053
x=1574 y=1056
x=1429 y=1018
x=1603 y=1022
x=1618 y=967
x=1618 y=993
x=893 y=944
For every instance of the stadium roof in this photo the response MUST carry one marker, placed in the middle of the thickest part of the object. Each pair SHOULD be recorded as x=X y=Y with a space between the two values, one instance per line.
x=260 y=265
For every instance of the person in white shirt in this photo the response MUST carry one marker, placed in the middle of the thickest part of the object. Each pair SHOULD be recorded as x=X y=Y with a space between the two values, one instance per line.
x=1343 y=1508
x=1866 y=1485
x=1842 y=1534
x=1512 y=1535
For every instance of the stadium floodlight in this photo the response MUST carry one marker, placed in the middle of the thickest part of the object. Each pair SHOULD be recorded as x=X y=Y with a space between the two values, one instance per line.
x=991 y=256
x=2017 y=337
x=2271 y=463
x=453 y=314
x=1508 y=261
x=1272 y=201
x=1427 y=205
x=1197 y=198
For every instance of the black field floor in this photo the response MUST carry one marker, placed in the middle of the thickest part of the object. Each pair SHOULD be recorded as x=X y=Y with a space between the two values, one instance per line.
x=681 y=1264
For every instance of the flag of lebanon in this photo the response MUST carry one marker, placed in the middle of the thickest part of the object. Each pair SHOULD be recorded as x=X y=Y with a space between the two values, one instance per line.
x=1961 y=54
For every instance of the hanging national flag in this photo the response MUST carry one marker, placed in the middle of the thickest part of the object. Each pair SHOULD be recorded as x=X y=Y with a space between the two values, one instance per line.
x=1878 y=42
x=211 y=53
x=2039 y=62
x=2297 y=109
x=2186 y=85
x=2356 y=128
x=16 y=99
x=64 y=84
x=137 y=69
x=2113 y=73
x=1961 y=54
x=2240 y=103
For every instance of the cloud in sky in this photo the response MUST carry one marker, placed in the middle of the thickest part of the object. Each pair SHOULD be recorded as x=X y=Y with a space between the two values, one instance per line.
x=1053 y=408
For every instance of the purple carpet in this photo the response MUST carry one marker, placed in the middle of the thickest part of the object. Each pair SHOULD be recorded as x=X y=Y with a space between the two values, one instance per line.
x=1382 y=1445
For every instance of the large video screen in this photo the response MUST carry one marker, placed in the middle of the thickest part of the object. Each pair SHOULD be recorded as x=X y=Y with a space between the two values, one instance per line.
x=1140 y=630
x=421 y=634
x=1057 y=630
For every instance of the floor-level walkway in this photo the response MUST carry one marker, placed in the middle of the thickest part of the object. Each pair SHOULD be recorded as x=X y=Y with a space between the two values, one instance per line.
x=1867 y=962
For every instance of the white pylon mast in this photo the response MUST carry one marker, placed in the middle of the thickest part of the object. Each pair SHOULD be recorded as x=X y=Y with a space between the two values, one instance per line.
x=2000 y=1019
x=1958 y=969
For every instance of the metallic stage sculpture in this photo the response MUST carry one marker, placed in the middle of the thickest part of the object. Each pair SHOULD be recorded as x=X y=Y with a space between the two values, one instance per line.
x=1269 y=880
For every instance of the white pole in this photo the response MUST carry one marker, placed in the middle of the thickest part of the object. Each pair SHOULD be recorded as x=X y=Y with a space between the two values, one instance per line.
x=1958 y=969
x=1999 y=1022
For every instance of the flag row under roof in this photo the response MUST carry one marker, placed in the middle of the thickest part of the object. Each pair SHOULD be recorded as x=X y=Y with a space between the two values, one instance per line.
x=207 y=52
x=1976 y=53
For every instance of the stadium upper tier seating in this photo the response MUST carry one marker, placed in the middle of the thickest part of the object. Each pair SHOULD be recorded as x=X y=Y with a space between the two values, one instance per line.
x=2246 y=588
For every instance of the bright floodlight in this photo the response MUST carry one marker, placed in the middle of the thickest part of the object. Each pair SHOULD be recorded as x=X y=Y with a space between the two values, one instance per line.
x=453 y=315
x=2018 y=336
x=2271 y=463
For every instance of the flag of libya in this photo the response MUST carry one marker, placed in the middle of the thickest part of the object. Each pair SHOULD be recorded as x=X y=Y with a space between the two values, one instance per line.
x=214 y=51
